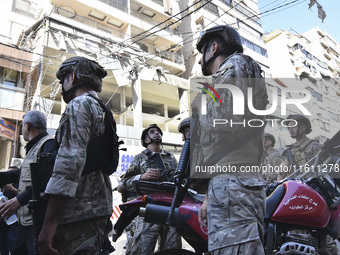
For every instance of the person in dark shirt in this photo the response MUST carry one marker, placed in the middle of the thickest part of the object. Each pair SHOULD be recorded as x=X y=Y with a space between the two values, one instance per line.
x=8 y=232
x=34 y=131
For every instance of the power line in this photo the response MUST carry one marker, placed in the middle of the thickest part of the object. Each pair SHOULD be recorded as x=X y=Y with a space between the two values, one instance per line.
x=142 y=52
x=144 y=32
x=270 y=10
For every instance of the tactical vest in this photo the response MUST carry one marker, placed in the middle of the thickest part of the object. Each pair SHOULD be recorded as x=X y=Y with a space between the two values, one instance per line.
x=24 y=216
x=298 y=152
x=167 y=160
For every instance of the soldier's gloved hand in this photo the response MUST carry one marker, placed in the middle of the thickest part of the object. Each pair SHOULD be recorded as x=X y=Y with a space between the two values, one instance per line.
x=151 y=174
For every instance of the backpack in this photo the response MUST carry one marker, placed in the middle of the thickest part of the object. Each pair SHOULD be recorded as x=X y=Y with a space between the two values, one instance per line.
x=103 y=151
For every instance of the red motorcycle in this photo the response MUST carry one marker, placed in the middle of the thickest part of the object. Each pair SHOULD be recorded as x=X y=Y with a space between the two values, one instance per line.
x=304 y=208
x=301 y=211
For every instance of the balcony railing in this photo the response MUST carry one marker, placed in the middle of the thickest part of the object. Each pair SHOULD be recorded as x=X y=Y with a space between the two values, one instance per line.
x=174 y=57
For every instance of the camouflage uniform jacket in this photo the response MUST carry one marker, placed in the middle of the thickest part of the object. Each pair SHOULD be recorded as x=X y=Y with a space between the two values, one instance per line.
x=243 y=72
x=90 y=196
x=141 y=163
x=274 y=158
x=226 y=225
x=305 y=151
x=302 y=153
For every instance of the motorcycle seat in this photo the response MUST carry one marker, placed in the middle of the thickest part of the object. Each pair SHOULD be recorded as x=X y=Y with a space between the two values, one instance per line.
x=274 y=200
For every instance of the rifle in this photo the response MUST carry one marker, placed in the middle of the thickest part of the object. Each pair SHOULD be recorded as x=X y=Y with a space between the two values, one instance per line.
x=33 y=207
x=41 y=172
x=288 y=153
x=156 y=161
x=183 y=169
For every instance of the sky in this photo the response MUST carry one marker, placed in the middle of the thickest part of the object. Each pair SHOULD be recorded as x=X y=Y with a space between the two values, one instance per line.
x=298 y=17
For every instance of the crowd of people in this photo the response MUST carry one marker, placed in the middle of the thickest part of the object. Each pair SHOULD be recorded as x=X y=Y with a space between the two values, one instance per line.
x=77 y=214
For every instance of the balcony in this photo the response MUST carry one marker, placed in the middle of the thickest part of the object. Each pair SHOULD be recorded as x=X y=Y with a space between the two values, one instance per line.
x=174 y=57
x=140 y=15
x=87 y=21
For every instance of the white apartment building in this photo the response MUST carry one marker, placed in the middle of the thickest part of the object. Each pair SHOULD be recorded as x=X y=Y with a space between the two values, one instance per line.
x=147 y=47
x=308 y=61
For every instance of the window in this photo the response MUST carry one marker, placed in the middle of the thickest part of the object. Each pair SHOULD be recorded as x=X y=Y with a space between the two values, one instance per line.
x=333 y=116
x=9 y=82
x=24 y=6
x=254 y=47
x=210 y=7
x=227 y=2
x=248 y=13
x=251 y=31
x=296 y=47
x=119 y=4
x=315 y=94
x=307 y=54
x=8 y=77
x=278 y=90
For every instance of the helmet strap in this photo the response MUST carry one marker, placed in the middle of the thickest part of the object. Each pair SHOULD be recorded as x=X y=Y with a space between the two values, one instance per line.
x=207 y=63
x=151 y=141
x=68 y=92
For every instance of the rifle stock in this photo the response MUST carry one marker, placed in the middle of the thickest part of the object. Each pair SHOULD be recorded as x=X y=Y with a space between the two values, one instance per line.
x=33 y=206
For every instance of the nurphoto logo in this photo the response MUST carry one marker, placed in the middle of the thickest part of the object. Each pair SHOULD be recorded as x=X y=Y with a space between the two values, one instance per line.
x=239 y=104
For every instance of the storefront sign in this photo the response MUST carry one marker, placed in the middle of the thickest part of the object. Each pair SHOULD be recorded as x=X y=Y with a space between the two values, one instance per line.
x=7 y=129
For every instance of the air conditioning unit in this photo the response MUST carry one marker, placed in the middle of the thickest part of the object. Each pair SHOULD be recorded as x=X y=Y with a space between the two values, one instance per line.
x=17 y=162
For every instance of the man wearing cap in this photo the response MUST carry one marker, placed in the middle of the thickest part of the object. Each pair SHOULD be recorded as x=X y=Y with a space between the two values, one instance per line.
x=304 y=148
x=78 y=213
x=144 y=167
x=234 y=206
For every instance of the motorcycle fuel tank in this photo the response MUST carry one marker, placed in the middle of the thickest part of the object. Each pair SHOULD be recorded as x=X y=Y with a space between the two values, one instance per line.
x=302 y=205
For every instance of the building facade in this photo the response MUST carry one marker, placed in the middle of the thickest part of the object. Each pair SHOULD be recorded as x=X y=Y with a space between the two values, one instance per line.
x=308 y=61
x=148 y=49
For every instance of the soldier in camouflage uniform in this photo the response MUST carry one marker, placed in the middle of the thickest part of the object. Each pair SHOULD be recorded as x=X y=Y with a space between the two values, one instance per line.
x=302 y=151
x=34 y=131
x=77 y=219
x=198 y=185
x=304 y=148
x=235 y=203
x=143 y=168
x=272 y=158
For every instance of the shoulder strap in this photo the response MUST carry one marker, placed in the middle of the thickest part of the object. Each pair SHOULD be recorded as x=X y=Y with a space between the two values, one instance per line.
x=100 y=102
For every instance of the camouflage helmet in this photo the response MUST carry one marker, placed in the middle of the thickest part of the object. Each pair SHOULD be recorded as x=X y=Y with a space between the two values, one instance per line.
x=86 y=70
x=185 y=123
x=145 y=132
x=227 y=33
x=270 y=137
x=301 y=119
